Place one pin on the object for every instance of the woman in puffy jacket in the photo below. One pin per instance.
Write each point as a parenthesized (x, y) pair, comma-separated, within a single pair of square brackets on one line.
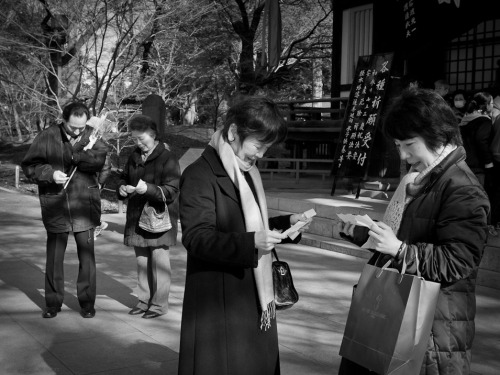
[(439, 214)]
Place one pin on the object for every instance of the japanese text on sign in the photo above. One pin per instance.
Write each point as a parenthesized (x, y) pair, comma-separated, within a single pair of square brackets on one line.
[(410, 19), (362, 115)]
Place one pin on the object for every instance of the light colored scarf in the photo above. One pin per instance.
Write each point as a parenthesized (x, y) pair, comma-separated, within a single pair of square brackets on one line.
[(408, 187), (256, 219)]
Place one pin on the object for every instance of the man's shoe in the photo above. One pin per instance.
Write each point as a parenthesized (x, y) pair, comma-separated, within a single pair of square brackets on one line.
[(50, 312), (88, 312), (136, 311), (151, 314)]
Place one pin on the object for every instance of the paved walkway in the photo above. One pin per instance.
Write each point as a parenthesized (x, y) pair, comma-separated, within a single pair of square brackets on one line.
[(117, 343)]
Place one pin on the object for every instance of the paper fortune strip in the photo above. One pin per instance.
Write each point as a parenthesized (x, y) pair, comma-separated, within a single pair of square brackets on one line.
[(364, 220), (293, 231)]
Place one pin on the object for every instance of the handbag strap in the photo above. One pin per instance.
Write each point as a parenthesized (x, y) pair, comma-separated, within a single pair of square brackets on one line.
[(163, 195), (275, 254)]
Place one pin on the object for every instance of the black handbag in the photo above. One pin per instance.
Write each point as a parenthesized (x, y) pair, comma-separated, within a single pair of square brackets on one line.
[(285, 295)]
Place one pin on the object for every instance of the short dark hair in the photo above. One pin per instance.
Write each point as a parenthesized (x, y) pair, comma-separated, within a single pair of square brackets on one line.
[(142, 123), (77, 109), (256, 116), (423, 113), (479, 102)]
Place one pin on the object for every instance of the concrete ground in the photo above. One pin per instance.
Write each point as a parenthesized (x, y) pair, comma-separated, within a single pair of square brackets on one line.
[(114, 342)]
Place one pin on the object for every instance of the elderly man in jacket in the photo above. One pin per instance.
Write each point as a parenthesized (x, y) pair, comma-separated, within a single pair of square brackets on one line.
[(69, 204)]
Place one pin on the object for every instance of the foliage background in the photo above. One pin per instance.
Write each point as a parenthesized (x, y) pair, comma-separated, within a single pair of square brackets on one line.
[(197, 55)]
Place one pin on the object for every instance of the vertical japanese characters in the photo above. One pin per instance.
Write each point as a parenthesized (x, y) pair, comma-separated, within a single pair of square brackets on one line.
[(363, 111), (410, 19)]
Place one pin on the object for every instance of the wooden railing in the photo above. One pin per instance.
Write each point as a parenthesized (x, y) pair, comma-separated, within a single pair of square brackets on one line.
[(314, 126), (298, 111), (296, 167)]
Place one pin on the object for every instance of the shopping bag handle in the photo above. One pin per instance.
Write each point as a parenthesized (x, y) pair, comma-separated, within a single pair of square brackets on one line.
[(388, 263), (403, 267), (417, 263)]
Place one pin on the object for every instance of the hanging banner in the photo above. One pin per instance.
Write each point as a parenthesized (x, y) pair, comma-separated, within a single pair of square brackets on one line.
[(422, 20), (274, 35), (362, 117)]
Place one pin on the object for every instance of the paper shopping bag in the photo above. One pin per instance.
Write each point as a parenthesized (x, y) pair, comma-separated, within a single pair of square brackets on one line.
[(389, 321)]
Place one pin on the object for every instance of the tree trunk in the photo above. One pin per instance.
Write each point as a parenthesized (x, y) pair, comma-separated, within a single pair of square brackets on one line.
[(16, 124), (8, 127), (317, 89), (191, 115), (317, 86), (247, 75)]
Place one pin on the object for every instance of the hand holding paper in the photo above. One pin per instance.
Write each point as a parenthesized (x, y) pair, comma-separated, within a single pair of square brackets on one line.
[(364, 220), (141, 187), (293, 231)]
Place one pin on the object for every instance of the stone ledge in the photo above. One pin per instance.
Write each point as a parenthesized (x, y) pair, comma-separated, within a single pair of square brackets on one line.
[(330, 244)]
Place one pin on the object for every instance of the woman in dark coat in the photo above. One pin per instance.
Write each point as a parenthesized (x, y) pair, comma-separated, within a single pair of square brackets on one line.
[(438, 213), (228, 317), (476, 129), (151, 175)]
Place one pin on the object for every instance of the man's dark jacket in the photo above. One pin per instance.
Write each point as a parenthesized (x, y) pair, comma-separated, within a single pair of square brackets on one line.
[(78, 207)]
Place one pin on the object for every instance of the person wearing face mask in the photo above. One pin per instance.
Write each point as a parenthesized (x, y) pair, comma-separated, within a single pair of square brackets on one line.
[(458, 104), (476, 129), (439, 214), (228, 314), (68, 205), (151, 174)]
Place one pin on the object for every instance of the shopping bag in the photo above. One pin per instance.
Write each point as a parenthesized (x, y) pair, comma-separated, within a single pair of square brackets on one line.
[(390, 320)]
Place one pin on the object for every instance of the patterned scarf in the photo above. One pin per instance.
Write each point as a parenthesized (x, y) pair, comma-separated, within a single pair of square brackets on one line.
[(256, 219), (407, 189)]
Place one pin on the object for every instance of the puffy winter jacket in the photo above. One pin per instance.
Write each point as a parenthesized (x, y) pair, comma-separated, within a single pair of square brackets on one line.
[(446, 226), (78, 207)]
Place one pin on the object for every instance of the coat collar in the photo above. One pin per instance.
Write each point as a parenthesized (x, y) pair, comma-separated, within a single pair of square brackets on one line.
[(439, 170), (84, 135), (137, 158), (225, 183), (213, 159)]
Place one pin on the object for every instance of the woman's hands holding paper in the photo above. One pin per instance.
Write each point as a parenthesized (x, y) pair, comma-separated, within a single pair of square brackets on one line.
[(124, 190), (295, 218), (265, 240), (141, 187), (383, 238)]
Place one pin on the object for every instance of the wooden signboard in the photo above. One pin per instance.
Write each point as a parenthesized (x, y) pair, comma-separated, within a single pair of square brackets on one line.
[(362, 117)]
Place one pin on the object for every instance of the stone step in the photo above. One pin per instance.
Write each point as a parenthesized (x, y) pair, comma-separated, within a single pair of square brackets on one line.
[(331, 244), (323, 231), (326, 221)]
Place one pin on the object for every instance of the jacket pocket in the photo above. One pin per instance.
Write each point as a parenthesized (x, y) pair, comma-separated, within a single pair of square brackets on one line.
[(54, 211)]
